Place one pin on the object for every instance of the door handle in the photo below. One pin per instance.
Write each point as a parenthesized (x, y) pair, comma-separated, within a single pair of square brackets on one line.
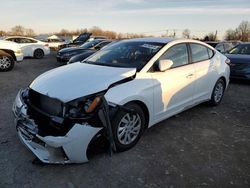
[(190, 75)]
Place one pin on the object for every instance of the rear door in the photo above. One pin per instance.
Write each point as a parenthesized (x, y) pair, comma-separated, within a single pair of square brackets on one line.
[(205, 70), (27, 46)]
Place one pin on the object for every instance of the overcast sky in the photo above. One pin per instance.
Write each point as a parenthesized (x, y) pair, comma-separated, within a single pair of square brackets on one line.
[(138, 16)]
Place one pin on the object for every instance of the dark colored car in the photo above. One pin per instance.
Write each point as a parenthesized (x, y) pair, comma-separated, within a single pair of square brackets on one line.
[(65, 54), (88, 53), (240, 61), (77, 41), (223, 46), (81, 39)]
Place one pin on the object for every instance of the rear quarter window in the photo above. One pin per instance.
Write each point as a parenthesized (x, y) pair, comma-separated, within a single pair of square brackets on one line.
[(200, 52)]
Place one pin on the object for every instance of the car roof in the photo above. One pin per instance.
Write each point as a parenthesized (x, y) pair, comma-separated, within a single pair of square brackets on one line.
[(151, 39), (245, 43)]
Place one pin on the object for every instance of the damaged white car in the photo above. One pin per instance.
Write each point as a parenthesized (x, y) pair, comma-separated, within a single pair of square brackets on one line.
[(117, 93)]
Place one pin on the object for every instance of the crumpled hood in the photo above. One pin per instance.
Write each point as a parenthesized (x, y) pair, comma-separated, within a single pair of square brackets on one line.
[(76, 80)]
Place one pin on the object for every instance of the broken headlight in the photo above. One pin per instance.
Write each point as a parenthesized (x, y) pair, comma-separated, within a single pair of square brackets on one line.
[(84, 105)]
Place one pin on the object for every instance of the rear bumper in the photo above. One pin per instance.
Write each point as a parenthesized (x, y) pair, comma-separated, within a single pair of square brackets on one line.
[(70, 148), (46, 51)]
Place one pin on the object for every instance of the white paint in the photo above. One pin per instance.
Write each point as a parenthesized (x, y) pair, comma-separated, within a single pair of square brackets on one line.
[(28, 49), (78, 79), (7, 45)]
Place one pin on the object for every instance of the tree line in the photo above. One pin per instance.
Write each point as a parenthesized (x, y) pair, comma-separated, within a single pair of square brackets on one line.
[(241, 33)]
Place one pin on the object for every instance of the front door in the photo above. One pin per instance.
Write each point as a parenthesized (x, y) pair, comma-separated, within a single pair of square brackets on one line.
[(174, 88)]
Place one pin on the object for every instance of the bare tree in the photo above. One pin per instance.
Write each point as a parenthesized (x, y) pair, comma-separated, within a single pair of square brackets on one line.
[(211, 37), (232, 35), (2, 33), (186, 34), (244, 30), (64, 32), (18, 30), (29, 32)]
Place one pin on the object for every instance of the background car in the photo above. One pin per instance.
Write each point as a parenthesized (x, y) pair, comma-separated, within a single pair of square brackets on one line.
[(223, 46), (9, 53), (240, 61), (31, 47), (54, 43), (89, 52), (65, 54)]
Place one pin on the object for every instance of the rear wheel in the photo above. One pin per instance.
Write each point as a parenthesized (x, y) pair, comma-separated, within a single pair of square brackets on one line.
[(38, 54), (218, 92), (128, 127), (6, 62)]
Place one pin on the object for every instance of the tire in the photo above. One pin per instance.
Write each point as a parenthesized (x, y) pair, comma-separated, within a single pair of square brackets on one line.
[(122, 131), (6, 62), (218, 92), (38, 54)]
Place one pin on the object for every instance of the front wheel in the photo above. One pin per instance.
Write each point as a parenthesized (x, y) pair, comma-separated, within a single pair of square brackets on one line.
[(218, 92), (6, 63), (128, 127)]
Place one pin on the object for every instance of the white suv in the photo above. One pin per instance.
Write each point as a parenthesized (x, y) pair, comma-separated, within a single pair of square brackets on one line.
[(9, 53)]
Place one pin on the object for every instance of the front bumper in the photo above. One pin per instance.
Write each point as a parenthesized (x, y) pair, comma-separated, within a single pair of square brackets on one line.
[(19, 57), (63, 59), (71, 148)]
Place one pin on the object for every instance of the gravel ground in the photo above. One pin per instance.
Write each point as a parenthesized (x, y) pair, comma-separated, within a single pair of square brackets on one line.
[(202, 147)]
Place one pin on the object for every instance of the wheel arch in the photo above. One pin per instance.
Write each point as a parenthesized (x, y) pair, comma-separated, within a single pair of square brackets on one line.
[(144, 109), (38, 49), (10, 52), (224, 80)]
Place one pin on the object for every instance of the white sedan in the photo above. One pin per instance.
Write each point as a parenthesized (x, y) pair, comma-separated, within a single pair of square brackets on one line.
[(30, 46), (118, 92)]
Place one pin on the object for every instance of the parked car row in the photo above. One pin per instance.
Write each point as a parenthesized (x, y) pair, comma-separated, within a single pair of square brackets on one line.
[(65, 54), (240, 61), (15, 48)]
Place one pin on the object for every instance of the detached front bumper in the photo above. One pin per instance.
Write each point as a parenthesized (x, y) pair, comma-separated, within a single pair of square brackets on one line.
[(70, 148)]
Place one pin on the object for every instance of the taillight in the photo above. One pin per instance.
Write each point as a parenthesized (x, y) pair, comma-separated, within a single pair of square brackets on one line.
[(227, 61)]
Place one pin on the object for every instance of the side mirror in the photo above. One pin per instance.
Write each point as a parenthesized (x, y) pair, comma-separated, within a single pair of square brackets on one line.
[(165, 64), (97, 47)]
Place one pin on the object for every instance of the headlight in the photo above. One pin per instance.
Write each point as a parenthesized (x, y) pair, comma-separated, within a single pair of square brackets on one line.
[(84, 105), (70, 54), (18, 51)]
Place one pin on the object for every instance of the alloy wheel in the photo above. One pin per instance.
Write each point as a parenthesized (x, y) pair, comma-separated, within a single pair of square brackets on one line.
[(129, 128)]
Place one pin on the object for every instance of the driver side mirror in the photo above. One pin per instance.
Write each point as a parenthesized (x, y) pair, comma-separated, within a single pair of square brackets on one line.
[(165, 64)]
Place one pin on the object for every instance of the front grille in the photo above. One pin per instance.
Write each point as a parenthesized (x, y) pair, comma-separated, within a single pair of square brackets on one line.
[(46, 104)]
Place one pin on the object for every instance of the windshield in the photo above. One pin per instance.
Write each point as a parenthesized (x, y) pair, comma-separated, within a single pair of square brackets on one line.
[(241, 49), (90, 44), (129, 54)]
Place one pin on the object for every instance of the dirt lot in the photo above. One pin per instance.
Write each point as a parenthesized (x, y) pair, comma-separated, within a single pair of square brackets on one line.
[(202, 147)]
